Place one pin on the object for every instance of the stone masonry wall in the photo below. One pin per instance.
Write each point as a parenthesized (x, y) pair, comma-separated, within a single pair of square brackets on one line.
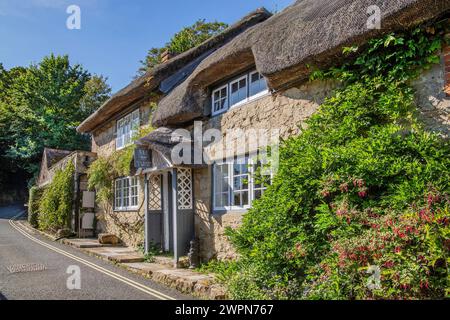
[(287, 111), (128, 226), (431, 97)]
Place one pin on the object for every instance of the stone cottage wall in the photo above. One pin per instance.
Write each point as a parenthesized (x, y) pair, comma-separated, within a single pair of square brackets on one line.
[(431, 97), (128, 226), (287, 111)]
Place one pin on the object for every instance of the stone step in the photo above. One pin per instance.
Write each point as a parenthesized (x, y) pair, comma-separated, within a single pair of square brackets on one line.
[(183, 262), (144, 268), (126, 258), (85, 243)]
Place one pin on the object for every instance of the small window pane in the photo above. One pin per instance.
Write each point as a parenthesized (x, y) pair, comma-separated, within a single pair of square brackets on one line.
[(126, 129), (220, 100), (257, 83), (238, 91), (221, 186)]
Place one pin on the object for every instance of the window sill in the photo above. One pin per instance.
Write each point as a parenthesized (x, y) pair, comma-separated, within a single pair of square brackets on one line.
[(131, 209), (124, 147), (219, 212), (243, 103)]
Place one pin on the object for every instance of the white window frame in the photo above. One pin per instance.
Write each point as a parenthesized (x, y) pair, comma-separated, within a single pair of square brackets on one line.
[(245, 100), (228, 85), (227, 100), (259, 94), (131, 195), (251, 185), (134, 121)]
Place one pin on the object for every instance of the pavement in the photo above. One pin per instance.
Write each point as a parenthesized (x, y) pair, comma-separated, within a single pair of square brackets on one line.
[(35, 268)]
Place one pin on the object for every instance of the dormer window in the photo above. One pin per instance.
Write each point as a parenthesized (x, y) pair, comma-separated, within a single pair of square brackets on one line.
[(238, 91), (220, 100), (127, 127), (258, 84)]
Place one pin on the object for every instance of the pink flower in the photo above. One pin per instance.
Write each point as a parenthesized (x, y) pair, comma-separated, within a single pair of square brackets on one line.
[(325, 194), (344, 187), (362, 194)]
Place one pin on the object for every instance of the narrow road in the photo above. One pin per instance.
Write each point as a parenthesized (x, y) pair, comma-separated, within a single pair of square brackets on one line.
[(34, 268)]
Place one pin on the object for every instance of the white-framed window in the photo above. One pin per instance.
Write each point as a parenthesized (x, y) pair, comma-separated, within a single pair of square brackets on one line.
[(238, 183), (220, 99), (127, 127), (258, 84), (238, 91), (126, 194)]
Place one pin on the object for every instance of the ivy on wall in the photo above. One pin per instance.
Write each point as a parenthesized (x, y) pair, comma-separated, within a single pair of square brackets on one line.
[(55, 205), (35, 195)]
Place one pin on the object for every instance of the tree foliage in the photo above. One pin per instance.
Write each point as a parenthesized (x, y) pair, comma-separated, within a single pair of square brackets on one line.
[(182, 41), (364, 185), (41, 106)]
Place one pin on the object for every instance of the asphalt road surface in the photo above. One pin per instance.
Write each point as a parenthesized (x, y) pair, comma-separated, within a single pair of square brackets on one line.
[(34, 268)]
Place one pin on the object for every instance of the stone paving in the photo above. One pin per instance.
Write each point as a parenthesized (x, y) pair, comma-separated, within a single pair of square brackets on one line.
[(161, 270)]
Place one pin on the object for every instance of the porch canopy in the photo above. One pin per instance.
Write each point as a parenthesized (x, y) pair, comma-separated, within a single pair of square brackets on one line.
[(169, 196), (161, 143)]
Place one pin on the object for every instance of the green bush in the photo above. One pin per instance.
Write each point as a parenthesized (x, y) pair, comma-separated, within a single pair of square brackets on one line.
[(35, 195), (364, 185), (55, 207)]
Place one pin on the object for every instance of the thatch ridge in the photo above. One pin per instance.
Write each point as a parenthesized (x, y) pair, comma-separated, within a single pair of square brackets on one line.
[(144, 85)]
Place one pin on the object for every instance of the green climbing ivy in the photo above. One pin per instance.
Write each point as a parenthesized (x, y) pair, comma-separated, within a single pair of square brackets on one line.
[(55, 206), (104, 170)]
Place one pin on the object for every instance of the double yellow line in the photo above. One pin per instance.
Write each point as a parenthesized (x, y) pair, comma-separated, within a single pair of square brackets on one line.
[(134, 284)]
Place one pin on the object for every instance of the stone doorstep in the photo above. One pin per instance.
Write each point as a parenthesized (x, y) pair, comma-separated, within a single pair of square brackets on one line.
[(85, 243), (183, 262), (116, 254), (183, 280), (131, 258)]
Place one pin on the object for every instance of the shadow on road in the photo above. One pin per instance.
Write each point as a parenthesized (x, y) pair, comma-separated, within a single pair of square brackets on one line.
[(2, 297), (8, 212)]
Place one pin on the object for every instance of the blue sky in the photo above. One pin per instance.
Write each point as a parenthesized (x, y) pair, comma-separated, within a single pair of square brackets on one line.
[(115, 34)]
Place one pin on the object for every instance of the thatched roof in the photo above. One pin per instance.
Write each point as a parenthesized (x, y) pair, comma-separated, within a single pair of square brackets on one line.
[(146, 84), (310, 32)]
